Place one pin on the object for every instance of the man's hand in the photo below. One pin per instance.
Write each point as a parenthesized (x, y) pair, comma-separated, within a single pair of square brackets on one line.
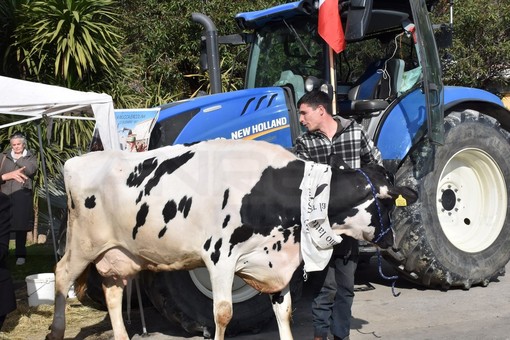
[(16, 175)]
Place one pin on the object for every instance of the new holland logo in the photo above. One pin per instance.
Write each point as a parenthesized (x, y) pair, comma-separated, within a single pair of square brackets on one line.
[(256, 130)]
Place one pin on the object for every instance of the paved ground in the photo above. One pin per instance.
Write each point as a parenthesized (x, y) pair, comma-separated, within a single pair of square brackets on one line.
[(480, 313)]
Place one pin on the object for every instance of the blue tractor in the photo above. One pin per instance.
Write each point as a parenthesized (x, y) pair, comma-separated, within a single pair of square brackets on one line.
[(451, 144)]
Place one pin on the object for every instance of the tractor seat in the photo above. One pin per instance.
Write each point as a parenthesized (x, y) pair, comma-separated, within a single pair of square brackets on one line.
[(375, 89)]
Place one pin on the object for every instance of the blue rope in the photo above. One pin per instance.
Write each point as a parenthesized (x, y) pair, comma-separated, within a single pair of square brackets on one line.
[(381, 234), (394, 278), (374, 193)]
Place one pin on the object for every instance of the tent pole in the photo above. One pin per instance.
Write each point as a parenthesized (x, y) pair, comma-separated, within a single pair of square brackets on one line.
[(48, 200)]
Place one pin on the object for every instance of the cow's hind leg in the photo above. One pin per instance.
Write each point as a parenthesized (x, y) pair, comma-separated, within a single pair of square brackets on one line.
[(113, 289), (67, 271), (282, 307)]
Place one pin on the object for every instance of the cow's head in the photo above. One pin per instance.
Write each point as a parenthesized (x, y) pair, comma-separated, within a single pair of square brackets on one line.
[(361, 203)]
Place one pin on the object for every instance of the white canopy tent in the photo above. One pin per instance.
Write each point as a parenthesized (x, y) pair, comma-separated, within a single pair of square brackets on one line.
[(34, 101)]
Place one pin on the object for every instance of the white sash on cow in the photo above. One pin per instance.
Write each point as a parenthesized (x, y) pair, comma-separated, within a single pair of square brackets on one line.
[(317, 237)]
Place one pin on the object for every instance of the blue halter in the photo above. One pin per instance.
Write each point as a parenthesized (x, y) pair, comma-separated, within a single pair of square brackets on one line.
[(381, 234)]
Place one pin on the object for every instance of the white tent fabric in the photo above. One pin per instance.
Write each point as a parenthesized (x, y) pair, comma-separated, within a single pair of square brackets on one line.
[(33, 101)]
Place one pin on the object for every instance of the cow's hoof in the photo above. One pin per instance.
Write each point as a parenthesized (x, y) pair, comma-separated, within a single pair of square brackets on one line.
[(53, 336)]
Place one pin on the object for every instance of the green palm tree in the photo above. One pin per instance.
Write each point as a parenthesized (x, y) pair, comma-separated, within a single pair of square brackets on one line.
[(72, 43), (8, 60), (76, 39)]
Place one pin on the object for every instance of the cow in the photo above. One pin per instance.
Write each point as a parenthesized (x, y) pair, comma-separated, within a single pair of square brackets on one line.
[(230, 206)]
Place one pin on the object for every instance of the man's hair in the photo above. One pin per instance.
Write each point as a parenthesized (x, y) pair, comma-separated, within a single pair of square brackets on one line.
[(316, 98)]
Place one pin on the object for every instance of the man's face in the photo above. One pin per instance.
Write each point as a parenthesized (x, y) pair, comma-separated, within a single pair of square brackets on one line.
[(311, 118), (17, 145)]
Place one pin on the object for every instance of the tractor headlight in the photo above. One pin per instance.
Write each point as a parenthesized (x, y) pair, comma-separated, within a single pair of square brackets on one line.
[(312, 83)]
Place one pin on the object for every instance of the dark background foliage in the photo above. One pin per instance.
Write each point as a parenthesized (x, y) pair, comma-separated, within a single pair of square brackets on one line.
[(148, 50)]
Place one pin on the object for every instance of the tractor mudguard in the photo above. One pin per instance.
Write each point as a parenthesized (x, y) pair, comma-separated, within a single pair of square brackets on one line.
[(404, 124)]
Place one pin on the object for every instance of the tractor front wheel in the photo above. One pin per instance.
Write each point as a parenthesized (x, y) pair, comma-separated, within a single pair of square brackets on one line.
[(458, 233)]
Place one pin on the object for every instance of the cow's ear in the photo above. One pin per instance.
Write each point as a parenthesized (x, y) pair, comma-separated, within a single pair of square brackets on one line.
[(403, 196)]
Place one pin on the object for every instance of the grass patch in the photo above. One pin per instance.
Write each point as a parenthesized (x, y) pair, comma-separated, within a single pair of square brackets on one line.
[(40, 259)]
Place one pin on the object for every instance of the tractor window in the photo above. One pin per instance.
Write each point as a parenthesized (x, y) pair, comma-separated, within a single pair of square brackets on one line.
[(359, 57), (285, 52)]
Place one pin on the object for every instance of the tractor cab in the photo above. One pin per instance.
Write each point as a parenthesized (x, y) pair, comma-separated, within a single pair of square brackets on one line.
[(381, 61)]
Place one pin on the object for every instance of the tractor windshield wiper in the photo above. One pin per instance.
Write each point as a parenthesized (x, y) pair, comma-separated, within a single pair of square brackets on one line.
[(293, 31)]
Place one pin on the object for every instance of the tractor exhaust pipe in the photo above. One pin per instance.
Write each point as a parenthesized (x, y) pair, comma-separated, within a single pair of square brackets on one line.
[(211, 51)]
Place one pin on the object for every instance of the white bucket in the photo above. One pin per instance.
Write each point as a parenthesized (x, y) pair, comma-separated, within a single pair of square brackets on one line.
[(71, 294), (40, 289)]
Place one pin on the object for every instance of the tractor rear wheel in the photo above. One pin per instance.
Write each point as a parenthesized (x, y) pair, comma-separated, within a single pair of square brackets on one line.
[(458, 233), (186, 297)]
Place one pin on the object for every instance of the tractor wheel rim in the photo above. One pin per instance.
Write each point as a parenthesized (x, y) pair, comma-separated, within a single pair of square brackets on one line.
[(240, 290), (471, 200)]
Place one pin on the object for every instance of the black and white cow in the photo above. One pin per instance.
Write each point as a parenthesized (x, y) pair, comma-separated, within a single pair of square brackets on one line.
[(231, 206)]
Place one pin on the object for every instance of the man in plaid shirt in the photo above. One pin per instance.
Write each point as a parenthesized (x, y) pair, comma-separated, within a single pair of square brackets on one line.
[(331, 140)]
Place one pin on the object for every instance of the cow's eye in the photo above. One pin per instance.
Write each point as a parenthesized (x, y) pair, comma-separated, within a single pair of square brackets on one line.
[(390, 177)]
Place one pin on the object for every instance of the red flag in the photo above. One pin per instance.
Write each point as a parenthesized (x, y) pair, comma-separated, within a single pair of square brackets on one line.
[(330, 26)]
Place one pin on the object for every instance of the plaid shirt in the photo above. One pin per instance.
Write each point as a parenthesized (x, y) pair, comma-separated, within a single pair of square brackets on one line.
[(350, 143)]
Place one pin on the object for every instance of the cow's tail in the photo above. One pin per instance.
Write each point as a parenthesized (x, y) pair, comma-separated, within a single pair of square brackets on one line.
[(80, 284)]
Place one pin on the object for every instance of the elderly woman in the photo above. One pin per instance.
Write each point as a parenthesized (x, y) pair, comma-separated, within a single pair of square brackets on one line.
[(19, 192)]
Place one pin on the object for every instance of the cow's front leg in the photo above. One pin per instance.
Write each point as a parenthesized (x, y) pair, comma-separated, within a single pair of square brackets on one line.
[(222, 298), (113, 289), (282, 307), (67, 271)]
